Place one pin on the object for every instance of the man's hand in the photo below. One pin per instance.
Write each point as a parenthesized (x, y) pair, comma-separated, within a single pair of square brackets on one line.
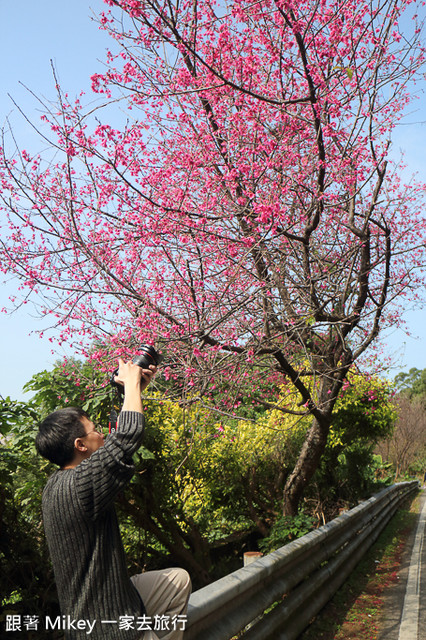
[(135, 380), (147, 375), (130, 373)]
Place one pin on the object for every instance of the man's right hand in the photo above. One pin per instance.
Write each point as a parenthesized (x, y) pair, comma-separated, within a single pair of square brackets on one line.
[(135, 380), (128, 373)]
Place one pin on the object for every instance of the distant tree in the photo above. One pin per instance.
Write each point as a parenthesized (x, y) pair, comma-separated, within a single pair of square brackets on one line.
[(245, 213), (406, 449), (413, 383)]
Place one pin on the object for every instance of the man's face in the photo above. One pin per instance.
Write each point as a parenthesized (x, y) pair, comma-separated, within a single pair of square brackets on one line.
[(93, 438)]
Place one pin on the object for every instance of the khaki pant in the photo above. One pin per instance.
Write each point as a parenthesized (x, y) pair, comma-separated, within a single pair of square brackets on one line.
[(165, 595)]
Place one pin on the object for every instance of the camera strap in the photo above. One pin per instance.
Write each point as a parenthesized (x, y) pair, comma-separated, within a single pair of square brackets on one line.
[(112, 420)]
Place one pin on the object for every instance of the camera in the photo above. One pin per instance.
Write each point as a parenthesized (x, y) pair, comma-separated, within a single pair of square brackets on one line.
[(147, 357)]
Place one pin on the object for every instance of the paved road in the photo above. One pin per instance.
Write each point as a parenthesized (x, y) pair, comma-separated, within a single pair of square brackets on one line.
[(405, 605), (411, 620)]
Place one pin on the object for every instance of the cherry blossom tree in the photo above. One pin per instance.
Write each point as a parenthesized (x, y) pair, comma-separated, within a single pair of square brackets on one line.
[(243, 213)]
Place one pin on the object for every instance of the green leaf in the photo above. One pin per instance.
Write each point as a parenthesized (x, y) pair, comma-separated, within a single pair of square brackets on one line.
[(145, 454)]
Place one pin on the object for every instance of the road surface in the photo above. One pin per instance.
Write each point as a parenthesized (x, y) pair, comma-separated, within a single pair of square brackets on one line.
[(405, 604)]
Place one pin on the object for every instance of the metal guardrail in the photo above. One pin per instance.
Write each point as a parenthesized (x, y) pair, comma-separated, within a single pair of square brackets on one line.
[(275, 597)]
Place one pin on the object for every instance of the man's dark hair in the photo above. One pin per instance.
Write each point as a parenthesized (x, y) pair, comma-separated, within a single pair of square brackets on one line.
[(56, 435)]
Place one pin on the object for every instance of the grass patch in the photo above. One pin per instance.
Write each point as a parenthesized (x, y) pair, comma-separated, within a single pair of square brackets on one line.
[(356, 611)]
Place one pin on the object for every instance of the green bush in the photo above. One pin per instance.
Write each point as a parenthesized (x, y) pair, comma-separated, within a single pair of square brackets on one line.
[(286, 529)]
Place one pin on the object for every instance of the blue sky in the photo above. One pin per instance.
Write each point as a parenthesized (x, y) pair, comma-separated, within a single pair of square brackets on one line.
[(32, 34)]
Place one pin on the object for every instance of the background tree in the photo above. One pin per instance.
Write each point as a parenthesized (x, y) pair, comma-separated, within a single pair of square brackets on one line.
[(406, 449), (412, 384), (244, 213)]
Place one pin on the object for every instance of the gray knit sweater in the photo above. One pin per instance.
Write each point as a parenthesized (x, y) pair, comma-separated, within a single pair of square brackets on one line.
[(84, 539)]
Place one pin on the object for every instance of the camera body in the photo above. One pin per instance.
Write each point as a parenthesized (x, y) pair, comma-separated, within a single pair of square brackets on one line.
[(147, 357)]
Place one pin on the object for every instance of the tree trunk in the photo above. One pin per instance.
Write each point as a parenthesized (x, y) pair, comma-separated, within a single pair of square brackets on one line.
[(306, 465)]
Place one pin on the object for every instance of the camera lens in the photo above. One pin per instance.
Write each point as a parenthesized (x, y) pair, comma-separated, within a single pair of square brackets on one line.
[(147, 357), (144, 360)]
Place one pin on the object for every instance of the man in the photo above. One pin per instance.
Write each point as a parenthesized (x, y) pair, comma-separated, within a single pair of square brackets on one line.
[(96, 595)]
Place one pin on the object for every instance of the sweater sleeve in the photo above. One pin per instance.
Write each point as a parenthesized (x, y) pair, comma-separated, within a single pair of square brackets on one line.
[(101, 477)]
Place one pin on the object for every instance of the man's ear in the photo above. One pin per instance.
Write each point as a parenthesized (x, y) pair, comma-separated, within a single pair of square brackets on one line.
[(79, 445)]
